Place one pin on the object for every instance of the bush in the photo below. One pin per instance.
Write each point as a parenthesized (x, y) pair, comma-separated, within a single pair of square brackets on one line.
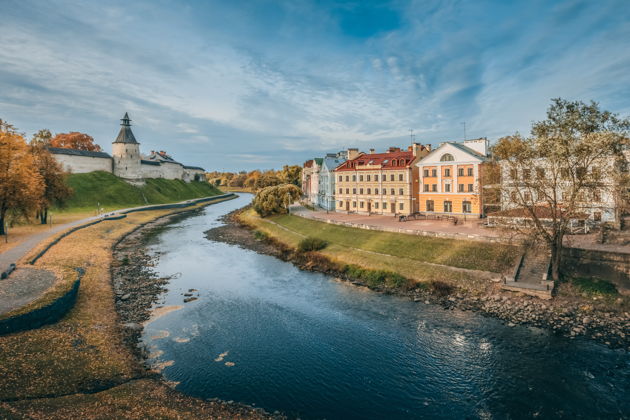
[(441, 288), (594, 286), (311, 244), (377, 278), (260, 235)]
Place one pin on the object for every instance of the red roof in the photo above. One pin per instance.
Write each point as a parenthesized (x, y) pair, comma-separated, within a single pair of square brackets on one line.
[(389, 160), (308, 163)]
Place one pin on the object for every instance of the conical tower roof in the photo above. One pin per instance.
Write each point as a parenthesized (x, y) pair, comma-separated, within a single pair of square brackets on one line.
[(125, 135)]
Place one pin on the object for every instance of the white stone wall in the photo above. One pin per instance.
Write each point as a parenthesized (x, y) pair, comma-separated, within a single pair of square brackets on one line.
[(189, 174), (83, 164), (172, 170), (151, 171)]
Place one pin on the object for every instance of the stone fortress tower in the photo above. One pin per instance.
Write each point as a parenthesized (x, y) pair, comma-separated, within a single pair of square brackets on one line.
[(126, 154)]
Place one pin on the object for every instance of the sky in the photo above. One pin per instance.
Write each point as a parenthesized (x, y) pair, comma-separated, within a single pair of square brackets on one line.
[(241, 85)]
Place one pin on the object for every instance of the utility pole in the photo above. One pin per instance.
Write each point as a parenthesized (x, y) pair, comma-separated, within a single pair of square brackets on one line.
[(411, 136)]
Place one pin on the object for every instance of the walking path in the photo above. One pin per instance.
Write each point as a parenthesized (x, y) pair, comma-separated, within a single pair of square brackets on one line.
[(25, 285)]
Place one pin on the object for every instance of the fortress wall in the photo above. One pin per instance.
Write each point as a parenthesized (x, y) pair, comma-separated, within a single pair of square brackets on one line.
[(151, 171), (189, 174), (83, 164), (172, 170)]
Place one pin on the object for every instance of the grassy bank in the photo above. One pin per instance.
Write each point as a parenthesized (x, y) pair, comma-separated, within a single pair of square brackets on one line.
[(80, 367), (112, 192), (414, 257)]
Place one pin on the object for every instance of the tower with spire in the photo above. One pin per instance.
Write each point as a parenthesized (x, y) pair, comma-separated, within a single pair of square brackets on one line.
[(126, 153)]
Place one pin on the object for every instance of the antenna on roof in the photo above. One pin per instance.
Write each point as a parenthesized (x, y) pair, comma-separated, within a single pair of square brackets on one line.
[(464, 123), (411, 135)]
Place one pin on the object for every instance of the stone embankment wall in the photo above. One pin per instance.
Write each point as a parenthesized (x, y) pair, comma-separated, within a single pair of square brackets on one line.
[(611, 266), (84, 164)]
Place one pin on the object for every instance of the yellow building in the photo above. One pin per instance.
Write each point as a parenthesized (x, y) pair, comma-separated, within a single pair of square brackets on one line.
[(378, 183), (450, 178)]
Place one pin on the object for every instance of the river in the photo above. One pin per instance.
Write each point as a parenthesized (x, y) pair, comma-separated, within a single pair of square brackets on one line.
[(264, 333)]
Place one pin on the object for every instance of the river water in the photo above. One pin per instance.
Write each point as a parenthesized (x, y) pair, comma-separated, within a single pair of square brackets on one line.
[(265, 333)]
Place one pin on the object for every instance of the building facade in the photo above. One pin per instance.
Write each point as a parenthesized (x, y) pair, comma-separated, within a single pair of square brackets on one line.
[(378, 183), (450, 179), (126, 161), (310, 180), (326, 190)]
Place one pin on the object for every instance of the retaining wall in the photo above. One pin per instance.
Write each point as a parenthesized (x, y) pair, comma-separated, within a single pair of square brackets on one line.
[(611, 266)]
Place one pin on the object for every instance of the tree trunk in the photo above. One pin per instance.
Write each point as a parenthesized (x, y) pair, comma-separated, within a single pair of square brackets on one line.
[(2, 231), (556, 258), (43, 215)]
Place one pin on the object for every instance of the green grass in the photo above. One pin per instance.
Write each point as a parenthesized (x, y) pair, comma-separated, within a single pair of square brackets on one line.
[(114, 193), (456, 253), (594, 286)]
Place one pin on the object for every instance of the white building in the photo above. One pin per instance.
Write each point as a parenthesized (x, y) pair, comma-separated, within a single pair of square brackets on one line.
[(326, 189), (126, 161)]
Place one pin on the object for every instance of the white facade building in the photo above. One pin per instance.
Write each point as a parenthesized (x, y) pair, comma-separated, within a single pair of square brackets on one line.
[(326, 189)]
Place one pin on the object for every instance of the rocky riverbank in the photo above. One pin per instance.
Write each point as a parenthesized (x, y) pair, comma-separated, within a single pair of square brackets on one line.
[(570, 316), (138, 289)]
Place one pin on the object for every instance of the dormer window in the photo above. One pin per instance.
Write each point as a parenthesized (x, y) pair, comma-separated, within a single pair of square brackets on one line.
[(447, 157), (394, 162)]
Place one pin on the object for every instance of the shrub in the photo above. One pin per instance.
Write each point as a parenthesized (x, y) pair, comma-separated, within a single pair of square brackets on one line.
[(594, 286), (260, 235), (377, 278), (311, 244), (441, 288)]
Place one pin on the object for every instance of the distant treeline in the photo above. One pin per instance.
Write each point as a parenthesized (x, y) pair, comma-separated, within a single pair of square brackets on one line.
[(257, 179)]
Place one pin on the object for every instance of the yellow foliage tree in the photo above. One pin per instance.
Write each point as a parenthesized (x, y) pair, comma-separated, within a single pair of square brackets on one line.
[(21, 185)]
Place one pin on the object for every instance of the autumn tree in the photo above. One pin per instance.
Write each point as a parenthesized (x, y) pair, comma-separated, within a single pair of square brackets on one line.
[(42, 138), (275, 199), (570, 159), (55, 192), (291, 174), (75, 140), (21, 185)]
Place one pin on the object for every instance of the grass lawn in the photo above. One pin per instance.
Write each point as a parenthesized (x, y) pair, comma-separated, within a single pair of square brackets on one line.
[(113, 193), (450, 252)]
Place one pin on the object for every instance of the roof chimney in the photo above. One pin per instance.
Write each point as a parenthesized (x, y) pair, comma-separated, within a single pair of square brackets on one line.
[(394, 149), (353, 153), (372, 151)]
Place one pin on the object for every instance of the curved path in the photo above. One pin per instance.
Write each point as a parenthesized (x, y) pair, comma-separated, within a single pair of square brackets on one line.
[(26, 284)]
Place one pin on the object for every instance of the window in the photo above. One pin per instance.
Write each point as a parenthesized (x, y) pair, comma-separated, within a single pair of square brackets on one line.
[(597, 216), (354, 178), (401, 191), (448, 207), (375, 191), (375, 177), (426, 187), (434, 187), (347, 190), (540, 173), (340, 190), (354, 191), (360, 177), (426, 172), (513, 174), (447, 187), (361, 204), (597, 196), (470, 187), (401, 206), (391, 177), (361, 191), (369, 191), (347, 178), (384, 205), (513, 196), (564, 173), (340, 178), (580, 172), (447, 172), (447, 157), (354, 204), (400, 177), (433, 172), (527, 196), (394, 162), (376, 204), (596, 173), (460, 188), (392, 191), (384, 191), (341, 204), (368, 177), (466, 207), (430, 205), (470, 171), (527, 174)]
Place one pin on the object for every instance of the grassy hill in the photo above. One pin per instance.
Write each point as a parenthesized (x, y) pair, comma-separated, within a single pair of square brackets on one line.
[(114, 193)]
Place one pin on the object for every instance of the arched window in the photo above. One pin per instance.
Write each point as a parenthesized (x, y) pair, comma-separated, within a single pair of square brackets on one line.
[(447, 157)]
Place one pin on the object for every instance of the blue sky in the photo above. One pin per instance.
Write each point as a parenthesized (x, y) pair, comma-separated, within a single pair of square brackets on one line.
[(257, 84)]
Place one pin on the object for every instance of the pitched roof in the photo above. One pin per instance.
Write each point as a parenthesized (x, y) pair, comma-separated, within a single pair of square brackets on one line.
[(194, 167), (149, 162), (125, 135), (76, 152), (384, 160), (467, 150), (319, 161)]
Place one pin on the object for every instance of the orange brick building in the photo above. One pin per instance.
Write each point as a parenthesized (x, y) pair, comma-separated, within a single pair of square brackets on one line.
[(450, 178)]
